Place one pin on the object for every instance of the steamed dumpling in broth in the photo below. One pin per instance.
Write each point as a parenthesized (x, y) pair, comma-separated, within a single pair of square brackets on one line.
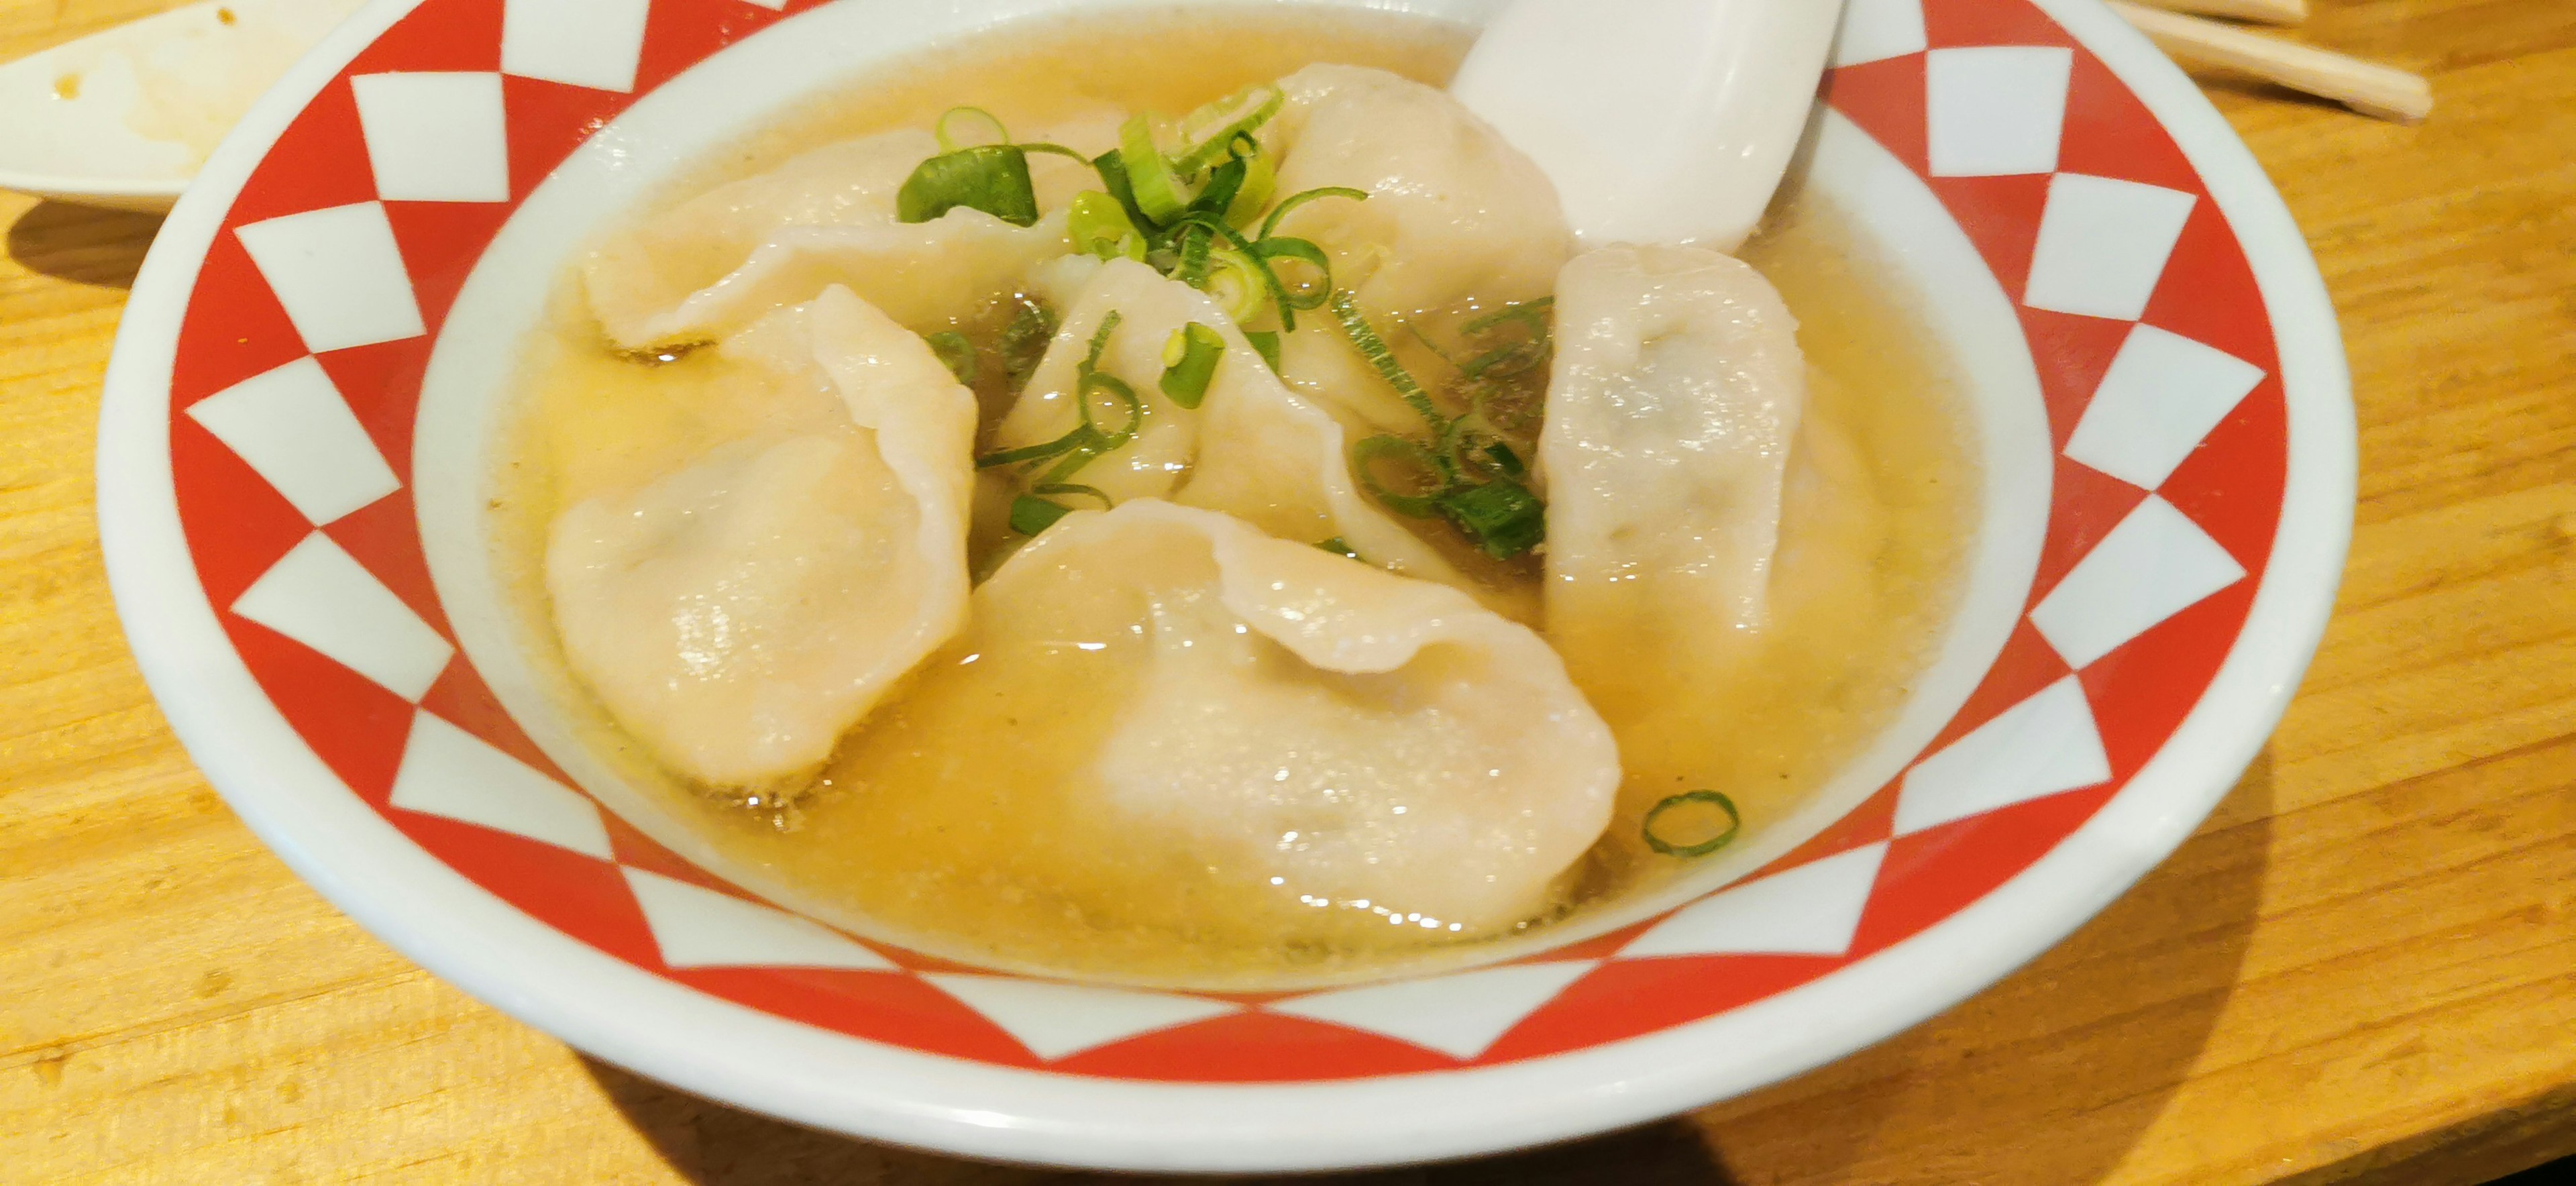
[(738, 615), (1456, 220), (1453, 212), (1251, 448), (1674, 401), (1611, 552), (713, 264), (1262, 728)]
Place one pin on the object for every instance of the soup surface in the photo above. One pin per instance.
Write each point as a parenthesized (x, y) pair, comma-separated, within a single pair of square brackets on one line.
[(942, 821)]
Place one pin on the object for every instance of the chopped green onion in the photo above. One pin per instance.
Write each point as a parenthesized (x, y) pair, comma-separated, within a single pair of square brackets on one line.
[(1053, 150), (1218, 196), (1061, 489), (1098, 225), (1031, 515), (956, 353), (968, 127), (1265, 342), (1024, 341), (1116, 389), (993, 179), (1195, 242), (1373, 348), (1270, 225), (1158, 190), (1525, 355), (1253, 257), (1235, 280), (1260, 184), (1211, 130), (1310, 296), (1428, 476), (1113, 177), (1734, 824), (1507, 462), (1189, 363), (1502, 517), (1100, 340), (1532, 314), (1039, 452), (1339, 547)]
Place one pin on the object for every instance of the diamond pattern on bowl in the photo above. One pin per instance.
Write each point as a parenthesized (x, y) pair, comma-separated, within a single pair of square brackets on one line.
[(585, 43), (697, 927), (2039, 747), (1993, 111), (339, 275), (1811, 909), (1055, 1020), (435, 136), (450, 773), (2155, 358), (1459, 1015), (291, 425), (319, 596)]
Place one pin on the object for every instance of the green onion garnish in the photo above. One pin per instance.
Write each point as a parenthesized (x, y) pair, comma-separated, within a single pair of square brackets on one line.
[(993, 178), (1189, 363), (1098, 224), (1062, 489), (968, 127), (1501, 516), (1031, 515), (1339, 547), (1158, 189), (1429, 481), (1024, 341), (1260, 184), (1085, 441), (1270, 225), (1374, 349), (1279, 247), (1265, 342), (1734, 824), (1211, 130), (956, 353)]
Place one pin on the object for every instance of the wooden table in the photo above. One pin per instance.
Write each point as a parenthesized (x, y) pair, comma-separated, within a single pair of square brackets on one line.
[(2362, 969)]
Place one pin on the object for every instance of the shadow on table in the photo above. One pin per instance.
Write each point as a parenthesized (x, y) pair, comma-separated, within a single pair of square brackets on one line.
[(2049, 1077), (714, 1145), (81, 244)]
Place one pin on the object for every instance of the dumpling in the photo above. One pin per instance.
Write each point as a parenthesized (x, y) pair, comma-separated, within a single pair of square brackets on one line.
[(1334, 733), (1674, 400), (738, 615), (1456, 221), (1252, 449), (713, 264), (1454, 214)]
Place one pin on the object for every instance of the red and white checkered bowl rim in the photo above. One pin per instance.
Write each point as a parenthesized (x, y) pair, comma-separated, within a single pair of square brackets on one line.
[(348, 758)]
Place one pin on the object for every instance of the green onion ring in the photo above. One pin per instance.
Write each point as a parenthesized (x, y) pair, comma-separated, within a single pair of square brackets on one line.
[(1300, 198), (1383, 447), (1735, 824)]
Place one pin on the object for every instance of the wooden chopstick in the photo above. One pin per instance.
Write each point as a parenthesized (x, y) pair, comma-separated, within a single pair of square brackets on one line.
[(2366, 87), (2270, 12)]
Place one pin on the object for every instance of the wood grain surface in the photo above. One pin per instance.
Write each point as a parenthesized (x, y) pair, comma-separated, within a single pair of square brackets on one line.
[(2362, 969)]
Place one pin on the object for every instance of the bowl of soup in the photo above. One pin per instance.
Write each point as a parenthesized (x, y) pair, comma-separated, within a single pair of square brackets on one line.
[(1110, 585)]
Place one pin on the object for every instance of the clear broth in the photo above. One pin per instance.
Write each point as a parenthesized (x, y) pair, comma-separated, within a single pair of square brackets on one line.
[(936, 826)]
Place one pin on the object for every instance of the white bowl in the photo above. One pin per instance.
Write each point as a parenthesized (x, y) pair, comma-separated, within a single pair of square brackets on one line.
[(297, 428)]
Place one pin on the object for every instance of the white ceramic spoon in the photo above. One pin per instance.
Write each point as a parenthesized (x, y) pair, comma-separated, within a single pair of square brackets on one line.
[(1660, 121), (123, 117)]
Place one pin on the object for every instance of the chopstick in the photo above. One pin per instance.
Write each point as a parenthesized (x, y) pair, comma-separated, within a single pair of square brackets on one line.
[(2366, 87), (2270, 12)]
